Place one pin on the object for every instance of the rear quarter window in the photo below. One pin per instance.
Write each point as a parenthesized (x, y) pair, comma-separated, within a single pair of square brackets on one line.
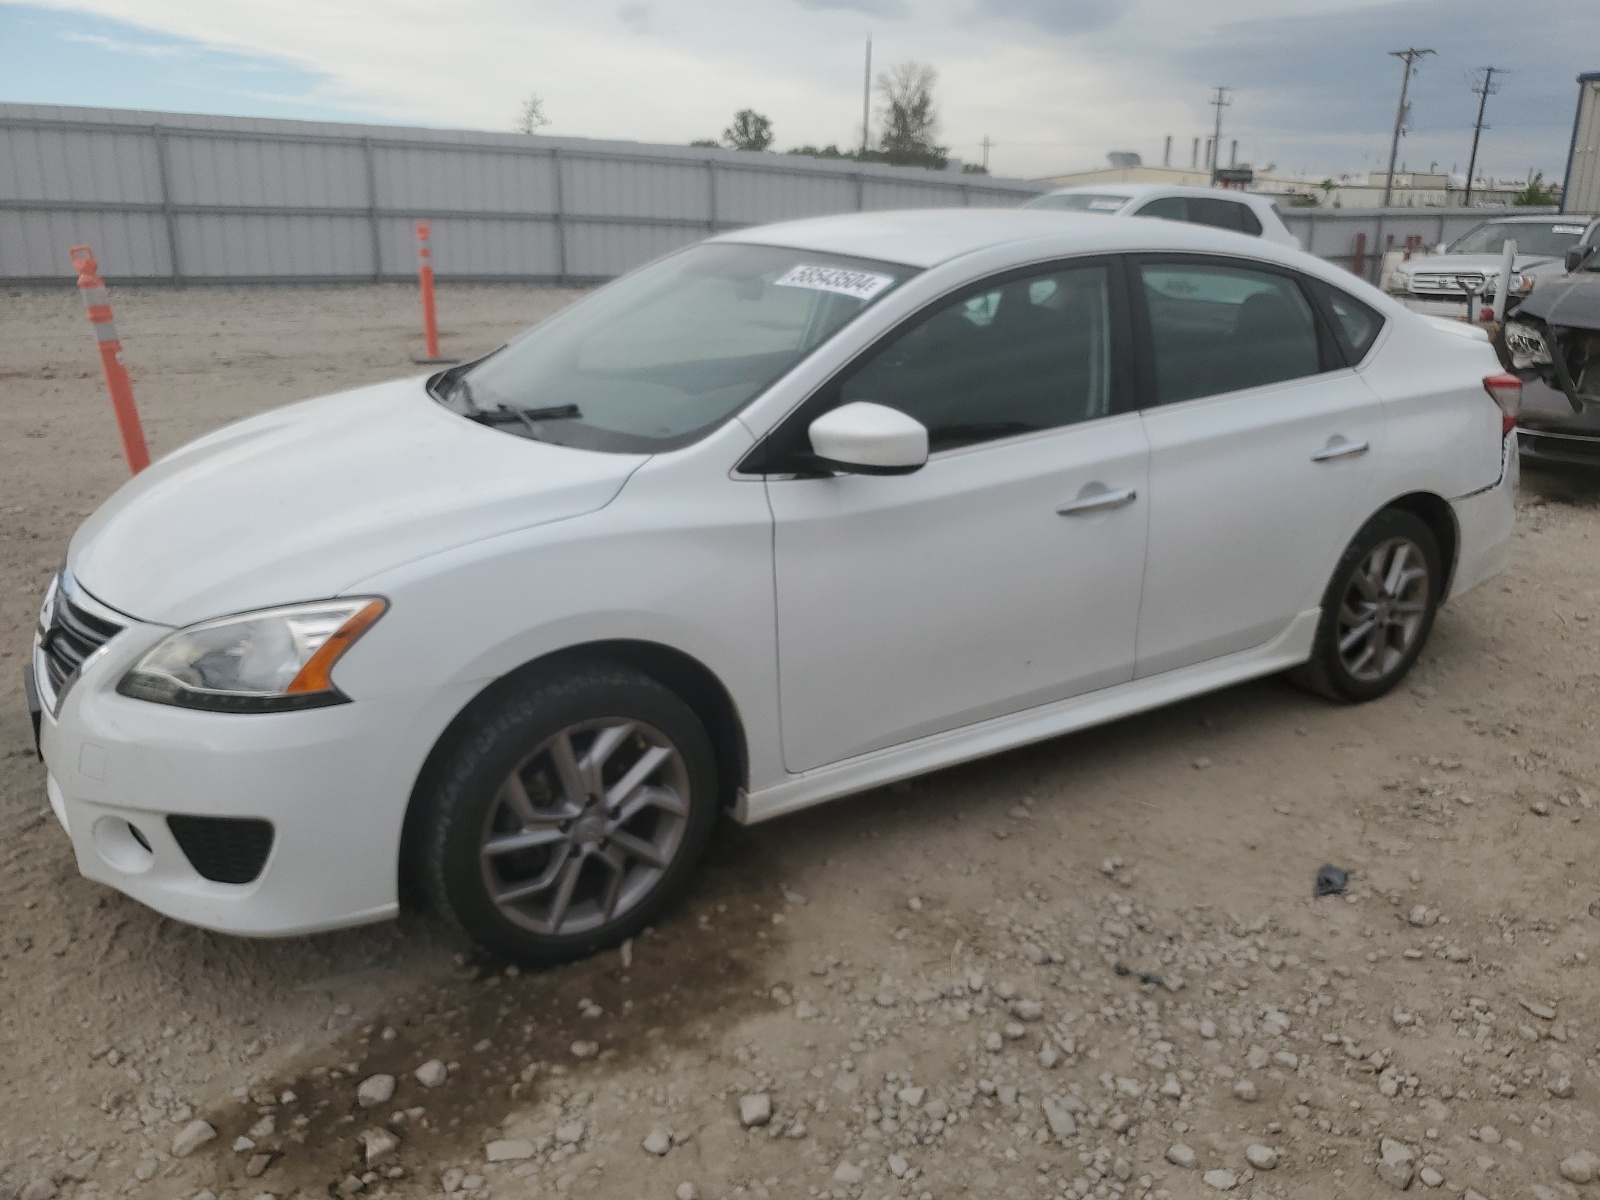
[(1356, 325)]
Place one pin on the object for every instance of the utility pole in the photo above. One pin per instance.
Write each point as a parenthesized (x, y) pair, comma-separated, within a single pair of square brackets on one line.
[(1409, 57), (1484, 90), (986, 144), (866, 101), (1219, 101)]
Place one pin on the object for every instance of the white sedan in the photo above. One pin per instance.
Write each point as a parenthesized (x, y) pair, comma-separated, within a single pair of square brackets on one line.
[(1221, 208), (784, 516)]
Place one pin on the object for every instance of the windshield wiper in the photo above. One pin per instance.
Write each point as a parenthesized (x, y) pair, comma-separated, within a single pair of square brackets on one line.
[(504, 412)]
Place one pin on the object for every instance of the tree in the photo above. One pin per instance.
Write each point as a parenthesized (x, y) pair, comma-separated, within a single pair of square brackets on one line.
[(532, 119), (1537, 194), (831, 150), (707, 143), (749, 131), (910, 119), (974, 169)]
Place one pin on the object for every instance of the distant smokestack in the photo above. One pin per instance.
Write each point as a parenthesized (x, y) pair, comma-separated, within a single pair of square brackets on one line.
[(1211, 153), (1194, 155), (1166, 155), (1233, 154)]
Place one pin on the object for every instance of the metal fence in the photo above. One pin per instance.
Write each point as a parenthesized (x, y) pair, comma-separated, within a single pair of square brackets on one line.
[(209, 199), (235, 199), (1356, 239)]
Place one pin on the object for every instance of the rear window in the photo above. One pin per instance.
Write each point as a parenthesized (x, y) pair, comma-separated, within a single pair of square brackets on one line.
[(1100, 202), (1355, 325)]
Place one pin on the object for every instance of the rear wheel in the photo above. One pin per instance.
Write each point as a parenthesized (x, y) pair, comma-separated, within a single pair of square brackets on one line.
[(1377, 611), (574, 812)]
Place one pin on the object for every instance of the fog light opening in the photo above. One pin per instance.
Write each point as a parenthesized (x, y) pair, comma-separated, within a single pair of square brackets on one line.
[(123, 846)]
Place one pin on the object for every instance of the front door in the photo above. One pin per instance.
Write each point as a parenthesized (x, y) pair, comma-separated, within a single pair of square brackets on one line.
[(1261, 451), (1003, 574)]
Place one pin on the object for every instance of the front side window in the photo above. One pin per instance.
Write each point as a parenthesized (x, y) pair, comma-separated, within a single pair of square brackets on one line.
[(1216, 329), (1168, 208), (662, 356), (1029, 354)]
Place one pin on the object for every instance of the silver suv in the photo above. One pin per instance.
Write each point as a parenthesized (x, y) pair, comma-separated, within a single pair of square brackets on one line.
[(1471, 263)]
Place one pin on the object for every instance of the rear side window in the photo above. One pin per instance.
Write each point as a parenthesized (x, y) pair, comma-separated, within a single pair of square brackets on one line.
[(1204, 210), (1216, 329), (1355, 325)]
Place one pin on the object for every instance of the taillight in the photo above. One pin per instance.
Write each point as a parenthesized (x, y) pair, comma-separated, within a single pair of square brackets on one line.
[(1505, 391)]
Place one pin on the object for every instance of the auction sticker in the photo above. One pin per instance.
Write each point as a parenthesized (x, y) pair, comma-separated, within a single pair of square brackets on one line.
[(1566, 229), (863, 285)]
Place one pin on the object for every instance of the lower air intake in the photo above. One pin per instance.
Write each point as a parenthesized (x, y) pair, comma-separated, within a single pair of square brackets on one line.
[(224, 849)]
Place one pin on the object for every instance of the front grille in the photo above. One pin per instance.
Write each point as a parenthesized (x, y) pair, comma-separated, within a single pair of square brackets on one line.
[(72, 636), (1452, 284), (224, 849)]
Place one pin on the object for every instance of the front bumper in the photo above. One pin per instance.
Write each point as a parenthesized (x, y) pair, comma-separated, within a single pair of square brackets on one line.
[(1549, 431), (333, 782)]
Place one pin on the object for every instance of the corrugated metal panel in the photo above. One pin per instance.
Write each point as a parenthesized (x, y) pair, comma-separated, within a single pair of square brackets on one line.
[(478, 248), (1582, 193), (254, 247), (615, 188), (598, 251), (884, 194), (750, 197), (34, 244)]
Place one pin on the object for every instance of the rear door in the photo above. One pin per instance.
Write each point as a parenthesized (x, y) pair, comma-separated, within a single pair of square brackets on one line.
[(1261, 450)]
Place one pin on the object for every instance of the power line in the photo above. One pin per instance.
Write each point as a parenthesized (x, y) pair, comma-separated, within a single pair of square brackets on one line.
[(1484, 90), (1410, 57), (866, 100)]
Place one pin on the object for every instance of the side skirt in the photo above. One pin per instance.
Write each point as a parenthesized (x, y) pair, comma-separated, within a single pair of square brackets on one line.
[(1288, 649)]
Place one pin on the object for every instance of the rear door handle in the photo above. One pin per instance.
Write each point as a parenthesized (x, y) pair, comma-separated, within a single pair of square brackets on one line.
[(1339, 447), (1097, 498)]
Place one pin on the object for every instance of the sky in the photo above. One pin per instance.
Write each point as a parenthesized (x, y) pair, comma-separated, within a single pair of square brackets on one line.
[(1054, 84)]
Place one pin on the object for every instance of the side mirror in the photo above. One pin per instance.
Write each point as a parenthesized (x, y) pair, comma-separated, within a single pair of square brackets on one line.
[(1574, 257), (1441, 247), (864, 438)]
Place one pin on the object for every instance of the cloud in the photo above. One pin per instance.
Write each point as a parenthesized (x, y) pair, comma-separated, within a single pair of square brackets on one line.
[(118, 46), (1057, 16), (892, 10)]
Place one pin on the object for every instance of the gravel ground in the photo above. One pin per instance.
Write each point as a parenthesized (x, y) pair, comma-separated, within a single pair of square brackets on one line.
[(1091, 967)]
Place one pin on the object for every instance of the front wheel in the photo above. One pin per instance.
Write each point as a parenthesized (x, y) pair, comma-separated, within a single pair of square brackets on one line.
[(1377, 611), (575, 810)]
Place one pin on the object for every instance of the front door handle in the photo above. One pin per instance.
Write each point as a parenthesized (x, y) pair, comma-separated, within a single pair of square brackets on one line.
[(1096, 497), (1339, 447)]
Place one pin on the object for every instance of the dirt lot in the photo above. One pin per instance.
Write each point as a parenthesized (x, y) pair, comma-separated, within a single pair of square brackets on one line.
[(1093, 967)]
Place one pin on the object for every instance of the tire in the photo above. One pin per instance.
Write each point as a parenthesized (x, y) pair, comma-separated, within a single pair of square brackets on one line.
[(570, 815), (1368, 667)]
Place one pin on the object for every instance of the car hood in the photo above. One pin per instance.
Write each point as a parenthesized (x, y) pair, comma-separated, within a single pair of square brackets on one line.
[(1572, 300), (305, 501), (1488, 264)]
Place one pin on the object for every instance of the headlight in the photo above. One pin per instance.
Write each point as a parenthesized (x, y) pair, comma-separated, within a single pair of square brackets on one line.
[(1522, 285), (275, 660), (1527, 345)]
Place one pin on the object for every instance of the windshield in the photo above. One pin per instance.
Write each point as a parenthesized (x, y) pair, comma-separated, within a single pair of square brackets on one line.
[(663, 355), (1532, 237), (1100, 202)]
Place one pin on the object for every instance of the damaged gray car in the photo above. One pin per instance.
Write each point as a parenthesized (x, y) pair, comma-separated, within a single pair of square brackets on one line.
[(1552, 343)]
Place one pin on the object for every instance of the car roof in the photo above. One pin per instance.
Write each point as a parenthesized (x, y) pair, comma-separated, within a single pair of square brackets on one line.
[(925, 237), (1136, 191)]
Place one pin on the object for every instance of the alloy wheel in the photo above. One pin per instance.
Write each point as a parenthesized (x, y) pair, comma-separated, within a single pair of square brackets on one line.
[(1383, 609), (585, 826)]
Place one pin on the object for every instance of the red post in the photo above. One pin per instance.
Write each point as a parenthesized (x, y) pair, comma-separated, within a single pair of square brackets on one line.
[(1358, 263), (117, 381), (430, 324)]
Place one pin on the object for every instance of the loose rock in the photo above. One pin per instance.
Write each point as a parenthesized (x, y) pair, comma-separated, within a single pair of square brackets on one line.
[(1262, 1158), (658, 1141), (1181, 1156), (432, 1074), (191, 1137), (1222, 1180), (1396, 1166), (755, 1110), (375, 1090)]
